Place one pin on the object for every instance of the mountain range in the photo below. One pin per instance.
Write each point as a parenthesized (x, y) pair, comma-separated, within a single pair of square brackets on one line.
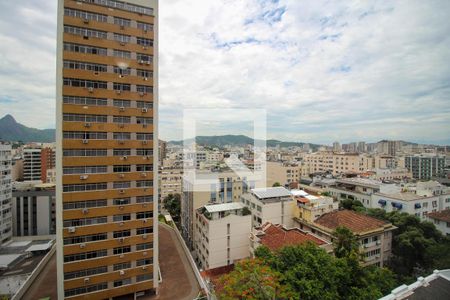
[(12, 131)]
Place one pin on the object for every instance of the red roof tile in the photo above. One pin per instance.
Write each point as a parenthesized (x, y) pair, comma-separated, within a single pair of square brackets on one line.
[(443, 215), (276, 237), (356, 222)]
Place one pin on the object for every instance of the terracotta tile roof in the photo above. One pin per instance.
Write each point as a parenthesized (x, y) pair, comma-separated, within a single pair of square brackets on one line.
[(443, 215), (275, 237), (356, 222)]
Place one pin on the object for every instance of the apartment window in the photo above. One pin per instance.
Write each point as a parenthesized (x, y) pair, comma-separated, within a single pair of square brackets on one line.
[(144, 136), (144, 168), (144, 73), (121, 120), (75, 82), (121, 218), (85, 204), (121, 266), (122, 22), (144, 215), (123, 6), (86, 289), (122, 282), (121, 184), (122, 71), (144, 183), (85, 238), (84, 170), (145, 261), (144, 199), (85, 272), (85, 49), (121, 250), (120, 234), (121, 103), (84, 101), (145, 26), (122, 152), (144, 152), (85, 135), (85, 32), (144, 58), (122, 38), (145, 246), (144, 230), (84, 152), (85, 15), (121, 201), (144, 89), (76, 65), (84, 187), (121, 135), (85, 118), (122, 54), (144, 277), (144, 42), (85, 255), (122, 86), (121, 168), (84, 222)]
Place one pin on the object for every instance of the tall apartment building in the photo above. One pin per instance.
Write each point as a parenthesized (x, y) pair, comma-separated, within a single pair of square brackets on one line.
[(5, 193), (32, 166), (47, 162), (335, 163), (107, 148), (425, 166)]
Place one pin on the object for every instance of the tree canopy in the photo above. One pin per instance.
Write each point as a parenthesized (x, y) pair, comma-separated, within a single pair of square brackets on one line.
[(173, 205)]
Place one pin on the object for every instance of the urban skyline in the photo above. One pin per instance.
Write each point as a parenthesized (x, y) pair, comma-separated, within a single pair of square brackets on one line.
[(349, 72)]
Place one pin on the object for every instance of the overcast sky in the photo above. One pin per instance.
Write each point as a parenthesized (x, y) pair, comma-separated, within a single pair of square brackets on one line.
[(323, 70)]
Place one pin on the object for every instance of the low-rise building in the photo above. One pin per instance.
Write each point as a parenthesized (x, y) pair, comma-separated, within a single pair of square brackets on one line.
[(374, 236), (310, 207), (221, 234), (282, 173), (275, 205), (441, 220)]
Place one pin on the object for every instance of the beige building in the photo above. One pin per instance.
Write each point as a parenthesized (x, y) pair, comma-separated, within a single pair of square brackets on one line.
[(221, 234), (107, 149), (283, 173), (310, 207), (336, 163), (170, 182), (374, 236)]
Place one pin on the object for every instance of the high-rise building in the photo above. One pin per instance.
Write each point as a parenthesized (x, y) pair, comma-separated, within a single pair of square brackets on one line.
[(425, 166), (5, 193), (32, 164), (47, 162), (106, 154)]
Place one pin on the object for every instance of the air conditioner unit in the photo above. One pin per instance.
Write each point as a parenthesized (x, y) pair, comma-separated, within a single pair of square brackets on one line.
[(85, 141), (148, 62), (145, 78), (145, 30), (121, 191), (122, 27), (121, 175), (144, 236), (144, 253), (124, 157), (121, 256), (122, 108), (118, 92), (144, 142), (85, 211), (141, 62), (144, 174), (121, 125), (144, 47), (83, 177), (85, 20), (141, 94), (121, 142), (121, 240), (90, 89), (122, 272), (144, 125), (83, 245), (144, 267), (144, 109), (378, 242), (71, 229), (121, 207), (144, 205), (147, 157), (86, 280), (87, 124), (145, 220), (121, 224)]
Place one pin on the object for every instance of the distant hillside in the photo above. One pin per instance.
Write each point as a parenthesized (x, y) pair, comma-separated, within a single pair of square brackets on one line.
[(12, 131), (237, 140)]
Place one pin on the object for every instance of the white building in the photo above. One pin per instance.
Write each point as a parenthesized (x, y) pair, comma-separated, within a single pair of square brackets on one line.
[(275, 205), (441, 220), (221, 234), (33, 210), (32, 164), (5, 193)]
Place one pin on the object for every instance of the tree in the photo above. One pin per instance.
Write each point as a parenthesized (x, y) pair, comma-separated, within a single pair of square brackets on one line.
[(252, 279), (276, 184), (173, 205), (352, 205), (345, 243)]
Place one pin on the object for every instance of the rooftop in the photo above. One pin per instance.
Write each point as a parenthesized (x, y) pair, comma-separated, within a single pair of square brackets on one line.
[(358, 223), (224, 207), (275, 237), (404, 196), (360, 181), (271, 192), (443, 215)]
